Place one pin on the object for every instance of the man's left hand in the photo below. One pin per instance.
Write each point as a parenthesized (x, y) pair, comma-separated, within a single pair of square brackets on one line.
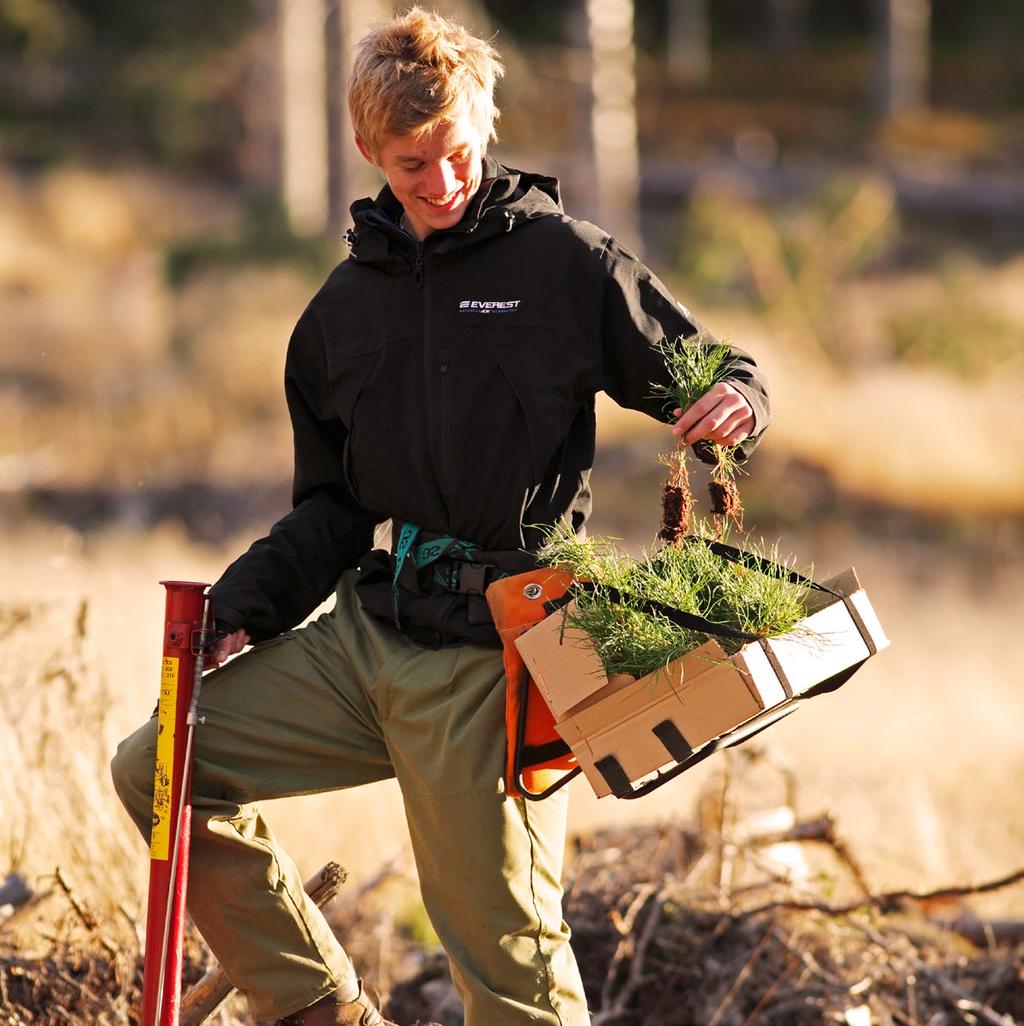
[(720, 415)]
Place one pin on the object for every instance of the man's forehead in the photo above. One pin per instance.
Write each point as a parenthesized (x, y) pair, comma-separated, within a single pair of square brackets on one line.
[(443, 138)]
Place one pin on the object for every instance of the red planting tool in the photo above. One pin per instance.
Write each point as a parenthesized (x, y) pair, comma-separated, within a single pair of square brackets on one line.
[(187, 636)]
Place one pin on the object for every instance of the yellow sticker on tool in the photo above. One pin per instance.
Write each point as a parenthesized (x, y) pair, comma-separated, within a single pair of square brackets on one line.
[(160, 840)]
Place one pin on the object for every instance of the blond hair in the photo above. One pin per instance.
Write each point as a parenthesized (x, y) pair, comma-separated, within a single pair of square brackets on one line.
[(416, 71)]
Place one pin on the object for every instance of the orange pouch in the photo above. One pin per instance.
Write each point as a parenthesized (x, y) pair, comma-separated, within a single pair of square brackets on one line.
[(537, 760)]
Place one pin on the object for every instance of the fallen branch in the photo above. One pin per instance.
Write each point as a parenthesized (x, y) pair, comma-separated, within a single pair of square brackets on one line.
[(888, 899), (210, 992)]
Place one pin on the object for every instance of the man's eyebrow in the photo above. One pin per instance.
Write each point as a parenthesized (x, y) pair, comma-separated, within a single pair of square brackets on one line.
[(416, 158)]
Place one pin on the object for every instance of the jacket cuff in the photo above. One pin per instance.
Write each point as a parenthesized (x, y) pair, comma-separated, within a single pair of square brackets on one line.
[(758, 403), (228, 617)]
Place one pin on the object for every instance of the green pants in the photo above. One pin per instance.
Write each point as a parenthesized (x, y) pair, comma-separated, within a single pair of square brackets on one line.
[(342, 702)]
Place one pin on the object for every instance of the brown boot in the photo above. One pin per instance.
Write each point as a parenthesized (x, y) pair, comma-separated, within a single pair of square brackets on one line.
[(330, 1011)]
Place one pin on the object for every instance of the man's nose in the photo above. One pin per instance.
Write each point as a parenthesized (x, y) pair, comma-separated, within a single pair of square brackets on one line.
[(442, 179)]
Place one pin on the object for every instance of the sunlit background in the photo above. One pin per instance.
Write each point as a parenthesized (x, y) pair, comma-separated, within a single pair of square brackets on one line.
[(836, 187)]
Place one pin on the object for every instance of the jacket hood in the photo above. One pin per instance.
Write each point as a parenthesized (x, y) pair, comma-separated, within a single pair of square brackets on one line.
[(506, 199)]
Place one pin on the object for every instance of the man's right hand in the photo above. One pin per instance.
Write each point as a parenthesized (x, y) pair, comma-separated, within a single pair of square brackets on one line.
[(227, 646)]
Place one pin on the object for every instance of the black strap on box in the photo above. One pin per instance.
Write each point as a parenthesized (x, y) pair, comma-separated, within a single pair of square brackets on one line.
[(618, 780), (672, 738)]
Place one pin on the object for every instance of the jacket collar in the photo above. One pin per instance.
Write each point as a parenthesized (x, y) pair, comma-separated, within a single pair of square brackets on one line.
[(505, 199)]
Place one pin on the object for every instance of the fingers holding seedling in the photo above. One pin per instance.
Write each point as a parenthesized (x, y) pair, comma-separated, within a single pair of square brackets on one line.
[(708, 409), (721, 415)]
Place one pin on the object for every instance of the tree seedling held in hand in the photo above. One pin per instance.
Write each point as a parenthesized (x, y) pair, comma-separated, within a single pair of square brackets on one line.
[(695, 366)]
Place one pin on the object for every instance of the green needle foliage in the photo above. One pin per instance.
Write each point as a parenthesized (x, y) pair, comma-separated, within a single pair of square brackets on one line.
[(690, 577), (694, 365)]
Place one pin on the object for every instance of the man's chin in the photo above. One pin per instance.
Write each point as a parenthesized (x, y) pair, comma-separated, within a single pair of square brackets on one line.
[(438, 220)]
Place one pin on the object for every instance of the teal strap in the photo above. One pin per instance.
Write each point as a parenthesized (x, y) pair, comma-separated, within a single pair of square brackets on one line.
[(433, 550), (406, 536), (430, 551)]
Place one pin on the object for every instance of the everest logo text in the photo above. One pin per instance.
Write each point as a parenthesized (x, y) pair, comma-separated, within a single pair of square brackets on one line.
[(487, 306)]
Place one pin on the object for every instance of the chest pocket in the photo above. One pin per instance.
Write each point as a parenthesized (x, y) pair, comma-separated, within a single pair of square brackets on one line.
[(546, 371), (368, 389)]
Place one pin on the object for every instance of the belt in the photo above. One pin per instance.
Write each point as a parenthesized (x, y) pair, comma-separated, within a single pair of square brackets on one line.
[(455, 567)]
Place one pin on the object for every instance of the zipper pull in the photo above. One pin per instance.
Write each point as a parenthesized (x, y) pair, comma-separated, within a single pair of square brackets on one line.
[(510, 220), (417, 274)]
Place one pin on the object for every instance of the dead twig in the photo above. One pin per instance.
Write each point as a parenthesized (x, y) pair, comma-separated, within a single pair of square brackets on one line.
[(793, 962), (961, 999), (91, 995), (741, 978), (636, 969), (87, 919), (624, 927), (809, 961)]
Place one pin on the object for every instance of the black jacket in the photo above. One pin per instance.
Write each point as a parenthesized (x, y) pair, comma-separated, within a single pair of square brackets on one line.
[(451, 384)]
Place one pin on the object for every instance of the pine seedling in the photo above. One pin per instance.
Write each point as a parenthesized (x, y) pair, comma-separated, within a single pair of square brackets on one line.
[(725, 495), (630, 638), (695, 365), (587, 559), (676, 497)]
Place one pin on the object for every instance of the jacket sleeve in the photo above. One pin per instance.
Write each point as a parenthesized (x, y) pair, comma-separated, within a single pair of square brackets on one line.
[(283, 577), (636, 312)]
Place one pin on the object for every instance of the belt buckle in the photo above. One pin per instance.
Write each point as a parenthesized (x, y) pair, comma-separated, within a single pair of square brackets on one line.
[(473, 578)]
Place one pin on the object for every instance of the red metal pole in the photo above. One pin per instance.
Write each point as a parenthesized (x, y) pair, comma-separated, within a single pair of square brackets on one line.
[(185, 619)]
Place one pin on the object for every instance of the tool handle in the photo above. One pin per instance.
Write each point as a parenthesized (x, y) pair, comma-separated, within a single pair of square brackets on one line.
[(184, 618)]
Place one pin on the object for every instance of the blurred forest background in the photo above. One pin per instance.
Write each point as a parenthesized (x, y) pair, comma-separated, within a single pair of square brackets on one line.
[(175, 181), (836, 187)]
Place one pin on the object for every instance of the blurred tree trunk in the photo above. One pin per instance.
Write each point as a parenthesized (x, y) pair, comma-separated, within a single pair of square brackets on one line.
[(260, 156), (303, 114), (350, 177), (613, 117), (903, 64), (787, 26), (689, 41)]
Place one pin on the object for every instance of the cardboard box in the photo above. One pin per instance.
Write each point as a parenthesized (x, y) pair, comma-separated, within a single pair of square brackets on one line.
[(637, 727)]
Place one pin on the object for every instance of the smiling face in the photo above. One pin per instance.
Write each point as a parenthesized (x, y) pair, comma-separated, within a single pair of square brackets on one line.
[(433, 175)]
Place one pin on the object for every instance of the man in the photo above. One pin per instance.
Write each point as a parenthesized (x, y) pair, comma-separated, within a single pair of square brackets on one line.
[(443, 377)]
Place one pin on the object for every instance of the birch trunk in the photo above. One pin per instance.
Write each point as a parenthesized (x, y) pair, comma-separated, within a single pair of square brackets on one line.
[(904, 66), (613, 117), (303, 114), (689, 41), (350, 176)]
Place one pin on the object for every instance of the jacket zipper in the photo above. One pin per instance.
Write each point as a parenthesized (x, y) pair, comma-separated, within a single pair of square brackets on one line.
[(433, 365), (444, 420)]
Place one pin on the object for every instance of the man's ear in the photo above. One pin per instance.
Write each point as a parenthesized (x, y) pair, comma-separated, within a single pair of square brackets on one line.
[(365, 151)]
